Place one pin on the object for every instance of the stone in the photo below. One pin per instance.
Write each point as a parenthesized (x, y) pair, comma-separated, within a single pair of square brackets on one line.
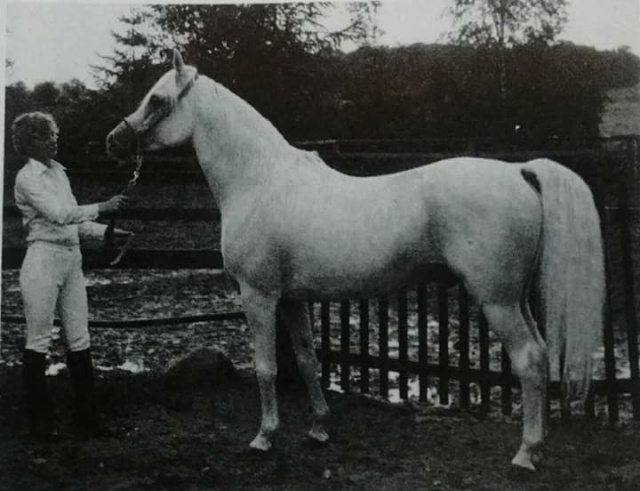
[(201, 368)]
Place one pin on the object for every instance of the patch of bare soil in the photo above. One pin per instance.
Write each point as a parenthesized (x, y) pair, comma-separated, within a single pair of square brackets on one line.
[(195, 436)]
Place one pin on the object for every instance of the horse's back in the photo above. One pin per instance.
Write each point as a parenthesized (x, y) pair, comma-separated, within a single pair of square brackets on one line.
[(316, 230)]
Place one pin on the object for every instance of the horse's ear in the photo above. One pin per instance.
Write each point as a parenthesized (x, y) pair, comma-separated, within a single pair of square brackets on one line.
[(178, 62)]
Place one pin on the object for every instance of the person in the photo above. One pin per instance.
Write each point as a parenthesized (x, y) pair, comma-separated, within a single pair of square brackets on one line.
[(51, 275)]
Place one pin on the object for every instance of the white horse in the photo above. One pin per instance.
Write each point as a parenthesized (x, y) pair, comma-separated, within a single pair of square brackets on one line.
[(294, 229)]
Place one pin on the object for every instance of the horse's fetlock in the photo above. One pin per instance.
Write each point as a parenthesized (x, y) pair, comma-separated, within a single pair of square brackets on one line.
[(321, 414), (533, 444), (268, 428)]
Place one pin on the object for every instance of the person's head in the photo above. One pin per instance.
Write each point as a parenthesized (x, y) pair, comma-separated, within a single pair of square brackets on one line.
[(35, 135)]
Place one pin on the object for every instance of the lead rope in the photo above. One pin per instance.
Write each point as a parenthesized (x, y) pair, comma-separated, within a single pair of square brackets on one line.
[(109, 233)]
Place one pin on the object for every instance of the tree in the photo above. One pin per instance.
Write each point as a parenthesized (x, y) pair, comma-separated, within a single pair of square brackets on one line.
[(45, 95), (73, 112), (280, 57), (501, 24), (507, 23), (17, 101)]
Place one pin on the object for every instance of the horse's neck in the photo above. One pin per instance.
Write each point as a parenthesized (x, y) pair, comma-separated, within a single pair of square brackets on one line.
[(237, 148)]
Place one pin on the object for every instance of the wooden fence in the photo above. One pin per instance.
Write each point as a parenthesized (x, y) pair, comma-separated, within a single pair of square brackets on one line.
[(610, 168)]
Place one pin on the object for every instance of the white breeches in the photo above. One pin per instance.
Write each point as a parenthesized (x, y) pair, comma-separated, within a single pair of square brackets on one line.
[(51, 276)]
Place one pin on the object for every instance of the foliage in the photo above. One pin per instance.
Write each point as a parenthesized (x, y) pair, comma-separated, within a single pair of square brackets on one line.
[(77, 109), (453, 91), (278, 56), (499, 24), (505, 23), (283, 61)]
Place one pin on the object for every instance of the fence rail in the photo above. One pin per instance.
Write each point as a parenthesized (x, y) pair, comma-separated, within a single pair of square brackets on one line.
[(463, 373), (12, 258), (436, 299)]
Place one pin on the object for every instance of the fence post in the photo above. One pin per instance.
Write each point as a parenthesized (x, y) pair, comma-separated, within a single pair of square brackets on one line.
[(345, 339), (631, 317), (443, 343), (383, 326), (507, 405), (423, 340), (364, 346), (609, 354), (485, 385), (403, 344), (463, 300), (325, 323)]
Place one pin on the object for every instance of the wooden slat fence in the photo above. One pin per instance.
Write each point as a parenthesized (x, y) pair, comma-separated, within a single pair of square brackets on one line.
[(473, 375)]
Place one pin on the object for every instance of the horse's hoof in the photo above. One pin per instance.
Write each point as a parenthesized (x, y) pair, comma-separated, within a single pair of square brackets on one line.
[(520, 474), (261, 443), (320, 436), (523, 461)]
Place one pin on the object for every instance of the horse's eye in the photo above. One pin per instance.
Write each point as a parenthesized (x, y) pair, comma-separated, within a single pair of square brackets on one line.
[(155, 101)]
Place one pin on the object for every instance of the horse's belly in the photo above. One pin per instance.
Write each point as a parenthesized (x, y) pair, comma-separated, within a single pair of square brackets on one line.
[(362, 280)]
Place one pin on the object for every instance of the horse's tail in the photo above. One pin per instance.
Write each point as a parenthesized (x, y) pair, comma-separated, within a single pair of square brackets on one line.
[(571, 273)]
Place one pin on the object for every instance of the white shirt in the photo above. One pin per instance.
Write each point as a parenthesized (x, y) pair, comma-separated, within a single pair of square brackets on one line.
[(49, 209)]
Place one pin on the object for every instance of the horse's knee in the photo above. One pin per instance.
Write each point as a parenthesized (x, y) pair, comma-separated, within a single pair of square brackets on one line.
[(266, 373), (530, 362), (308, 362)]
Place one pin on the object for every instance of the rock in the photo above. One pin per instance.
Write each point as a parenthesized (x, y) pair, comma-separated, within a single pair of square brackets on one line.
[(200, 368)]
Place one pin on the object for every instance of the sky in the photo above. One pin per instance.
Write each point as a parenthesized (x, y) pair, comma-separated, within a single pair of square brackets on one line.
[(59, 41)]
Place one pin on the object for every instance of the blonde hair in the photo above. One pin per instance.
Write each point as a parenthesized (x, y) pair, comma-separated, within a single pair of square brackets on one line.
[(29, 126)]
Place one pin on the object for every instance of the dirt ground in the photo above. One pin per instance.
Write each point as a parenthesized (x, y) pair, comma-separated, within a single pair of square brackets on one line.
[(195, 435)]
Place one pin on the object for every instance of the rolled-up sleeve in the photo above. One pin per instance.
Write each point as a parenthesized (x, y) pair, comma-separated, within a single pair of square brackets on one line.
[(48, 204)]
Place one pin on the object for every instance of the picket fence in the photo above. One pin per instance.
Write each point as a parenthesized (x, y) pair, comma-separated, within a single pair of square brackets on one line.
[(360, 347)]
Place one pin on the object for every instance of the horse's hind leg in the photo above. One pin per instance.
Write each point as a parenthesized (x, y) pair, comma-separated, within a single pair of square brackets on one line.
[(261, 316), (528, 354), (296, 318)]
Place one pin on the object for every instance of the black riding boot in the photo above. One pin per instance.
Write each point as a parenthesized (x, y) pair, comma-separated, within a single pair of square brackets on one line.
[(39, 410), (81, 371)]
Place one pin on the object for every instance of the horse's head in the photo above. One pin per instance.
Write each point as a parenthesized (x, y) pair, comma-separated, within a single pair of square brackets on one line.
[(164, 117)]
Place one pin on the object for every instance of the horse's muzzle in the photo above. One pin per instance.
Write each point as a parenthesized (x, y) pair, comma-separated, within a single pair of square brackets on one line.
[(121, 142)]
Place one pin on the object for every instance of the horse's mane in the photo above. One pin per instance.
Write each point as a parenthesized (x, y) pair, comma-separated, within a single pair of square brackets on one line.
[(264, 134), (253, 121)]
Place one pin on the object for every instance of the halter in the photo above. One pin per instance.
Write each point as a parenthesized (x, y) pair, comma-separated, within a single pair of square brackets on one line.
[(156, 117), (149, 123)]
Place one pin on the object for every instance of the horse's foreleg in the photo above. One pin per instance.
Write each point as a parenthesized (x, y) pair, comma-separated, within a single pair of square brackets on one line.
[(261, 315), (528, 354), (296, 318)]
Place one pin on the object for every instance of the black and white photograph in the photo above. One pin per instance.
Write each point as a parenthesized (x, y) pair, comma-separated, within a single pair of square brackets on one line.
[(381, 245)]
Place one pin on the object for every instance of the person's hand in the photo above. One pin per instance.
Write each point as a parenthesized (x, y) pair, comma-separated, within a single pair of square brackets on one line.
[(115, 203)]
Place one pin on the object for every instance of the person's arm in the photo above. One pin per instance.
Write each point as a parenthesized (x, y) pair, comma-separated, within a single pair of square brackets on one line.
[(51, 207), (62, 212)]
